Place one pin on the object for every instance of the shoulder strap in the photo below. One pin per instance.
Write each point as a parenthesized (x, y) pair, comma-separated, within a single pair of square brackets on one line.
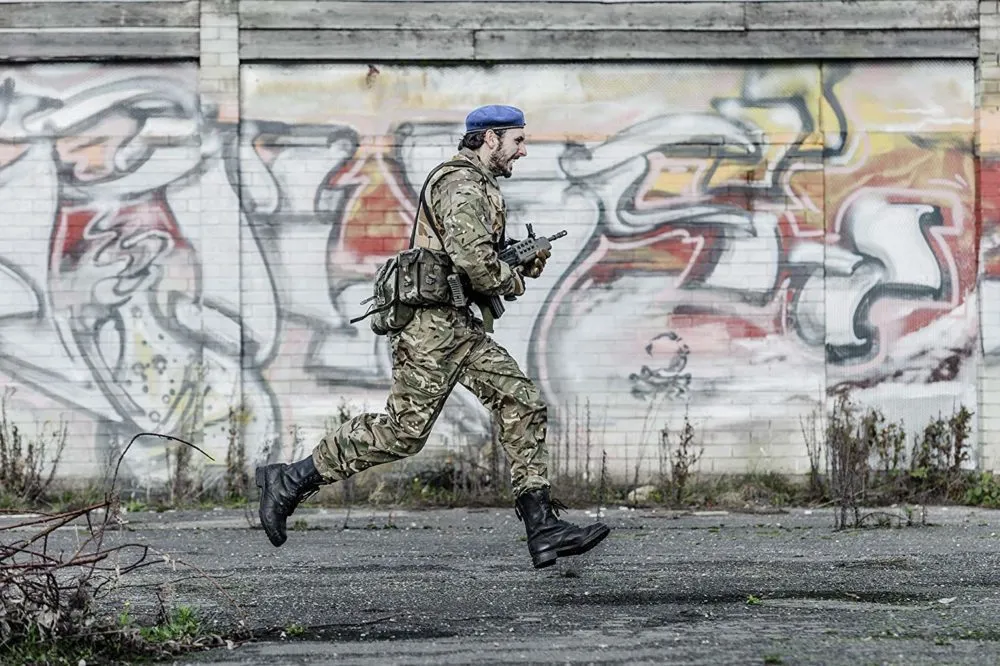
[(422, 203)]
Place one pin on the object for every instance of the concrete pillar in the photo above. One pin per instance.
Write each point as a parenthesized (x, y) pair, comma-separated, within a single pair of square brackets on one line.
[(988, 155)]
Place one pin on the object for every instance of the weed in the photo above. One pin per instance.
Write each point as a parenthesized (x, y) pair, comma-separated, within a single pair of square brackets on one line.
[(587, 432), (22, 462), (868, 464), (937, 460), (48, 609), (682, 459), (237, 478), (182, 624), (814, 449), (181, 486), (983, 490), (767, 488), (848, 461), (602, 488)]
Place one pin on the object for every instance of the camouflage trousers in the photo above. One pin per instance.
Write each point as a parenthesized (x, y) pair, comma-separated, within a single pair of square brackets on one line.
[(439, 348)]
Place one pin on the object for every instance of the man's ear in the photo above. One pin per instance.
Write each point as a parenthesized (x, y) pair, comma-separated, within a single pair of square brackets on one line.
[(492, 140)]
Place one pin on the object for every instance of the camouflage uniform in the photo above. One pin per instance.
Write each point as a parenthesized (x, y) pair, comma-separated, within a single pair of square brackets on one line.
[(444, 345)]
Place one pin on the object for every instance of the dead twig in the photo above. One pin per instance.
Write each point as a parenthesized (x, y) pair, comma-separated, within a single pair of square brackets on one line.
[(47, 595)]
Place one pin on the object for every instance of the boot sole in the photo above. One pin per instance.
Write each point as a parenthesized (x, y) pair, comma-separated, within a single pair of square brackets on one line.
[(549, 557)]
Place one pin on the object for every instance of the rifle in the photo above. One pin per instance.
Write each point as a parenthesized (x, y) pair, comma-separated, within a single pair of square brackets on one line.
[(520, 253)]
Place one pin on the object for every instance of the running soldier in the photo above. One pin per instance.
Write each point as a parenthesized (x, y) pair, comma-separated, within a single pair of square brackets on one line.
[(437, 344)]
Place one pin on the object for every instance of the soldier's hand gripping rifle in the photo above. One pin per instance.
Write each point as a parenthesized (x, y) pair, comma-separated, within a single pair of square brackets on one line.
[(521, 253)]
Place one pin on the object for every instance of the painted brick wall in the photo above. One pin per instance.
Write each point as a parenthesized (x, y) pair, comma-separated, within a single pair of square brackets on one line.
[(738, 251), (745, 241), (988, 139)]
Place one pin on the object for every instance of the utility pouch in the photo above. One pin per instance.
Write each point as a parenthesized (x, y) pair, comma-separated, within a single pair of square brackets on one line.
[(389, 314), (423, 277)]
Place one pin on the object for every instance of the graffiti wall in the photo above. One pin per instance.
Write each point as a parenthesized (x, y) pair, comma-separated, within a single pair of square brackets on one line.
[(743, 243)]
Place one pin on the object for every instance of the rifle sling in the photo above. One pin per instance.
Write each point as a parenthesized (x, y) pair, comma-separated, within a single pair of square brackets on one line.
[(422, 202)]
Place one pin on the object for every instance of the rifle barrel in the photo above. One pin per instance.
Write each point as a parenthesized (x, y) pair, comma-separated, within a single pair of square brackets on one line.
[(558, 235)]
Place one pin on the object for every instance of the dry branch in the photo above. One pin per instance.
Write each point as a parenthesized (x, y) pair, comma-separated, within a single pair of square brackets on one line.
[(47, 596)]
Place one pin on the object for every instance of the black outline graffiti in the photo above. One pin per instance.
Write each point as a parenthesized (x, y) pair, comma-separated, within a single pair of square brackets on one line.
[(670, 381), (863, 328)]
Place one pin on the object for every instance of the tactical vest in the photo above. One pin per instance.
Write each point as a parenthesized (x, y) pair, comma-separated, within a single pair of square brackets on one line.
[(428, 236), (423, 275)]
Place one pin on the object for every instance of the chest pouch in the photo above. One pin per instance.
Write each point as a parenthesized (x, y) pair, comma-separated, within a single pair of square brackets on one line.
[(423, 277)]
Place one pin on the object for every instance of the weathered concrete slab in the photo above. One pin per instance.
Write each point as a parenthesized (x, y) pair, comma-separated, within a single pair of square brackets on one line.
[(456, 586), (41, 46), (134, 14)]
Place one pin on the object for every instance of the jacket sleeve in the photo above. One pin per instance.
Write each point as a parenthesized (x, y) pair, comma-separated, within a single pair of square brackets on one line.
[(461, 207)]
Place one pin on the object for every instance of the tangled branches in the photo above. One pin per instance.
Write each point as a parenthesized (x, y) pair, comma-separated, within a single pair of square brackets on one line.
[(48, 595)]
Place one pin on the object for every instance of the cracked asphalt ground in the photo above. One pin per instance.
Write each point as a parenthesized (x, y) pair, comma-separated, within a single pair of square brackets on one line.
[(456, 587)]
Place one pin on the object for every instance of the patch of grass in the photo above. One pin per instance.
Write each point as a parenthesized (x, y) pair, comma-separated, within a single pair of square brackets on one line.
[(111, 640), (33, 648), (751, 491), (182, 625)]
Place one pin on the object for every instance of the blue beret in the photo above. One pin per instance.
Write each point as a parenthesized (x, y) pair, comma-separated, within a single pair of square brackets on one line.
[(493, 116)]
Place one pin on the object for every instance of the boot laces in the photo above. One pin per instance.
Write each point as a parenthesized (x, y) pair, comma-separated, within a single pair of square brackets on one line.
[(554, 504), (307, 495)]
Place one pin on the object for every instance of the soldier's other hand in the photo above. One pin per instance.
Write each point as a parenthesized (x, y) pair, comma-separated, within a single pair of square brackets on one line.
[(537, 265), (518, 283)]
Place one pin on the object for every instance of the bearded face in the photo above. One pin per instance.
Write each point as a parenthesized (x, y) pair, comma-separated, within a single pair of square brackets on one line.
[(509, 148)]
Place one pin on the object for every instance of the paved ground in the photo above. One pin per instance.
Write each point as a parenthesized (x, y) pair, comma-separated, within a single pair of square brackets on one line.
[(456, 587)]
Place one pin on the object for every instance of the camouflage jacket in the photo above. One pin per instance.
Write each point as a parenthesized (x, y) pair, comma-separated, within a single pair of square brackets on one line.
[(471, 217)]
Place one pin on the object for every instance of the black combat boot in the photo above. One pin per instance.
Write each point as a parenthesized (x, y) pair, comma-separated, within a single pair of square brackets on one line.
[(550, 538), (282, 487)]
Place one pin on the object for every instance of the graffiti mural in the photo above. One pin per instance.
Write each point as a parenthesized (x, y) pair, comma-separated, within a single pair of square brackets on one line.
[(118, 307), (737, 252), (743, 243)]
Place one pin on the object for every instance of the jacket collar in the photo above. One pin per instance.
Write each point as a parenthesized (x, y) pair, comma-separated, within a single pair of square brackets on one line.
[(478, 163)]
